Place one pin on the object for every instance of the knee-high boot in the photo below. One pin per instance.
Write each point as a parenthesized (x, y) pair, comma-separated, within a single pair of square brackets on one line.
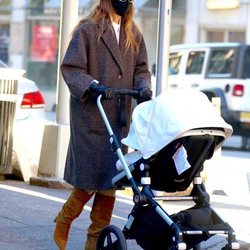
[(70, 210), (100, 216)]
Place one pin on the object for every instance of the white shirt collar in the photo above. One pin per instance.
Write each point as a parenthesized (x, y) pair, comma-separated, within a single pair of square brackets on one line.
[(117, 27)]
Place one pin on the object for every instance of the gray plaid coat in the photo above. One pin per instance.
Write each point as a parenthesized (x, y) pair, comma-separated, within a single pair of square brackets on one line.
[(90, 163)]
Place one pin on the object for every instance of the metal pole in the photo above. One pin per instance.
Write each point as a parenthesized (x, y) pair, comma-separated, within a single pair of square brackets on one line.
[(164, 24), (69, 18)]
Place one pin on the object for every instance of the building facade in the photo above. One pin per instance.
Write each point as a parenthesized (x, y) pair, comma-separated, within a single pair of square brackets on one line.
[(217, 21), (29, 31)]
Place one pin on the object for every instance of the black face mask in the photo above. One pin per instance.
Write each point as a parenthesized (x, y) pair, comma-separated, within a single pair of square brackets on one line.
[(120, 8)]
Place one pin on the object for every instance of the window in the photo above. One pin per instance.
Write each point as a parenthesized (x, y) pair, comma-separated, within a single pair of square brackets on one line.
[(4, 42), (42, 55), (246, 69), (5, 7), (221, 63), (235, 36), (195, 62), (174, 63), (214, 36)]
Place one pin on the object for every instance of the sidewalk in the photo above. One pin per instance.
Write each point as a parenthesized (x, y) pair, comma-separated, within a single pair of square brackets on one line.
[(27, 218), (27, 214)]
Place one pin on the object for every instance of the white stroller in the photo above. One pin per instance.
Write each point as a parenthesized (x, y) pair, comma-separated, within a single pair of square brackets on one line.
[(172, 136)]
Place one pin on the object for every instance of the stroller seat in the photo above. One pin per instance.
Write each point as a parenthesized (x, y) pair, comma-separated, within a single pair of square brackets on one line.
[(130, 158), (199, 145)]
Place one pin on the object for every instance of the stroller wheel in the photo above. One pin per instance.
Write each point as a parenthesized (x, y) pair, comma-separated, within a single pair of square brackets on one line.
[(111, 238)]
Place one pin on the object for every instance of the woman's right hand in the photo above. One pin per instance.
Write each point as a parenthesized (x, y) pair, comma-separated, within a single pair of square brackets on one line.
[(105, 91)]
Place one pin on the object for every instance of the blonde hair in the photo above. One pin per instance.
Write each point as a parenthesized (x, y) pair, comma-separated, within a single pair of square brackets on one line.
[(101, 12)]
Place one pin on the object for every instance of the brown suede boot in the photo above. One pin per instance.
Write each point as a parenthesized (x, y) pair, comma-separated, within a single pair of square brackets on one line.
[(70, 210), (100, 216), (61, 234)]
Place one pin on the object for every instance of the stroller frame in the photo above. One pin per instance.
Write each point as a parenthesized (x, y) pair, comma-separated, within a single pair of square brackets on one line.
[(144, 196)]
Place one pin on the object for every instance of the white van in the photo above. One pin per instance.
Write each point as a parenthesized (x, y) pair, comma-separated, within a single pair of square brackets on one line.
[(217, 69)]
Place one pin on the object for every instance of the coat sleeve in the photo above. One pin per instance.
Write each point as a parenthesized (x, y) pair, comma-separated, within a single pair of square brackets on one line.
[(74, 65), (142, 76)]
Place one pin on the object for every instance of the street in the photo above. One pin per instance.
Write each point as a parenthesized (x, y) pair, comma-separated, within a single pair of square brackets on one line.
[(201, 45), (27, 212)]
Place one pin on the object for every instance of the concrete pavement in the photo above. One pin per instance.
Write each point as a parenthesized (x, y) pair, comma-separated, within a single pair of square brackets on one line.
[(27, 213)]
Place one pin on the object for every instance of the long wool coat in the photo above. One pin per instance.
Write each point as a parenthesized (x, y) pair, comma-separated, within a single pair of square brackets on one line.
[(90, 162)]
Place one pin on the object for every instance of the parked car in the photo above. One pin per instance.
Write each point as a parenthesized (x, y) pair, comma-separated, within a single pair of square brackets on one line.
[(219, 70), (28, 125), (30, 103)]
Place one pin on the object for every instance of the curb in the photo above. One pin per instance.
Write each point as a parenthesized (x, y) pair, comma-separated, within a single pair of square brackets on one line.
[(49, 182)]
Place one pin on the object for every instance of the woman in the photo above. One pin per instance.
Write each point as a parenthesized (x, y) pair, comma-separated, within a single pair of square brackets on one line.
[(106, 50)]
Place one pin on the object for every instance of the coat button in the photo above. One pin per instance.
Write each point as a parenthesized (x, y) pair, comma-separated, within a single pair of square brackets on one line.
[(119, 77)]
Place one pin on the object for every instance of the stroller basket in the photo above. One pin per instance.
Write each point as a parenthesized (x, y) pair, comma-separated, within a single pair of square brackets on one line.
[(197, 224)]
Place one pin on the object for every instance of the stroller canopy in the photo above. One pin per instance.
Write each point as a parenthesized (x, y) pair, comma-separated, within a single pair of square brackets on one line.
[(157, 122)]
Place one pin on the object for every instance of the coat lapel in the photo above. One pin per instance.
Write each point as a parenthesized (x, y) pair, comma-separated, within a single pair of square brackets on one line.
[(110, 41)]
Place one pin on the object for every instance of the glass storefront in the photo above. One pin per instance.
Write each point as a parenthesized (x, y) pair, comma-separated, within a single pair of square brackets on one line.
[(42, 53), (4, 41), (42, 29), (5, 10), (43, 24)]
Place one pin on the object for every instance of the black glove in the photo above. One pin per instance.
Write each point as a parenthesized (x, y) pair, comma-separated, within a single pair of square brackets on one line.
[(144, 94), (105, 91)]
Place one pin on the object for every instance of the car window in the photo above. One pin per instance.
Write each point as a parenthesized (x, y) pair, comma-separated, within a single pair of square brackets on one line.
[(174, 63), (246, 69), (221, 63), (195, 62)]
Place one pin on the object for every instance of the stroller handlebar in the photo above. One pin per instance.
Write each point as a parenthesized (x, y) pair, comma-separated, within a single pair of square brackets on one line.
[(116, 92), (120, 91)]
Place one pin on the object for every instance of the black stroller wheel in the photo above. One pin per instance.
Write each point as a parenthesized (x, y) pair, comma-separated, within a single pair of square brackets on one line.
[(111, 238)]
